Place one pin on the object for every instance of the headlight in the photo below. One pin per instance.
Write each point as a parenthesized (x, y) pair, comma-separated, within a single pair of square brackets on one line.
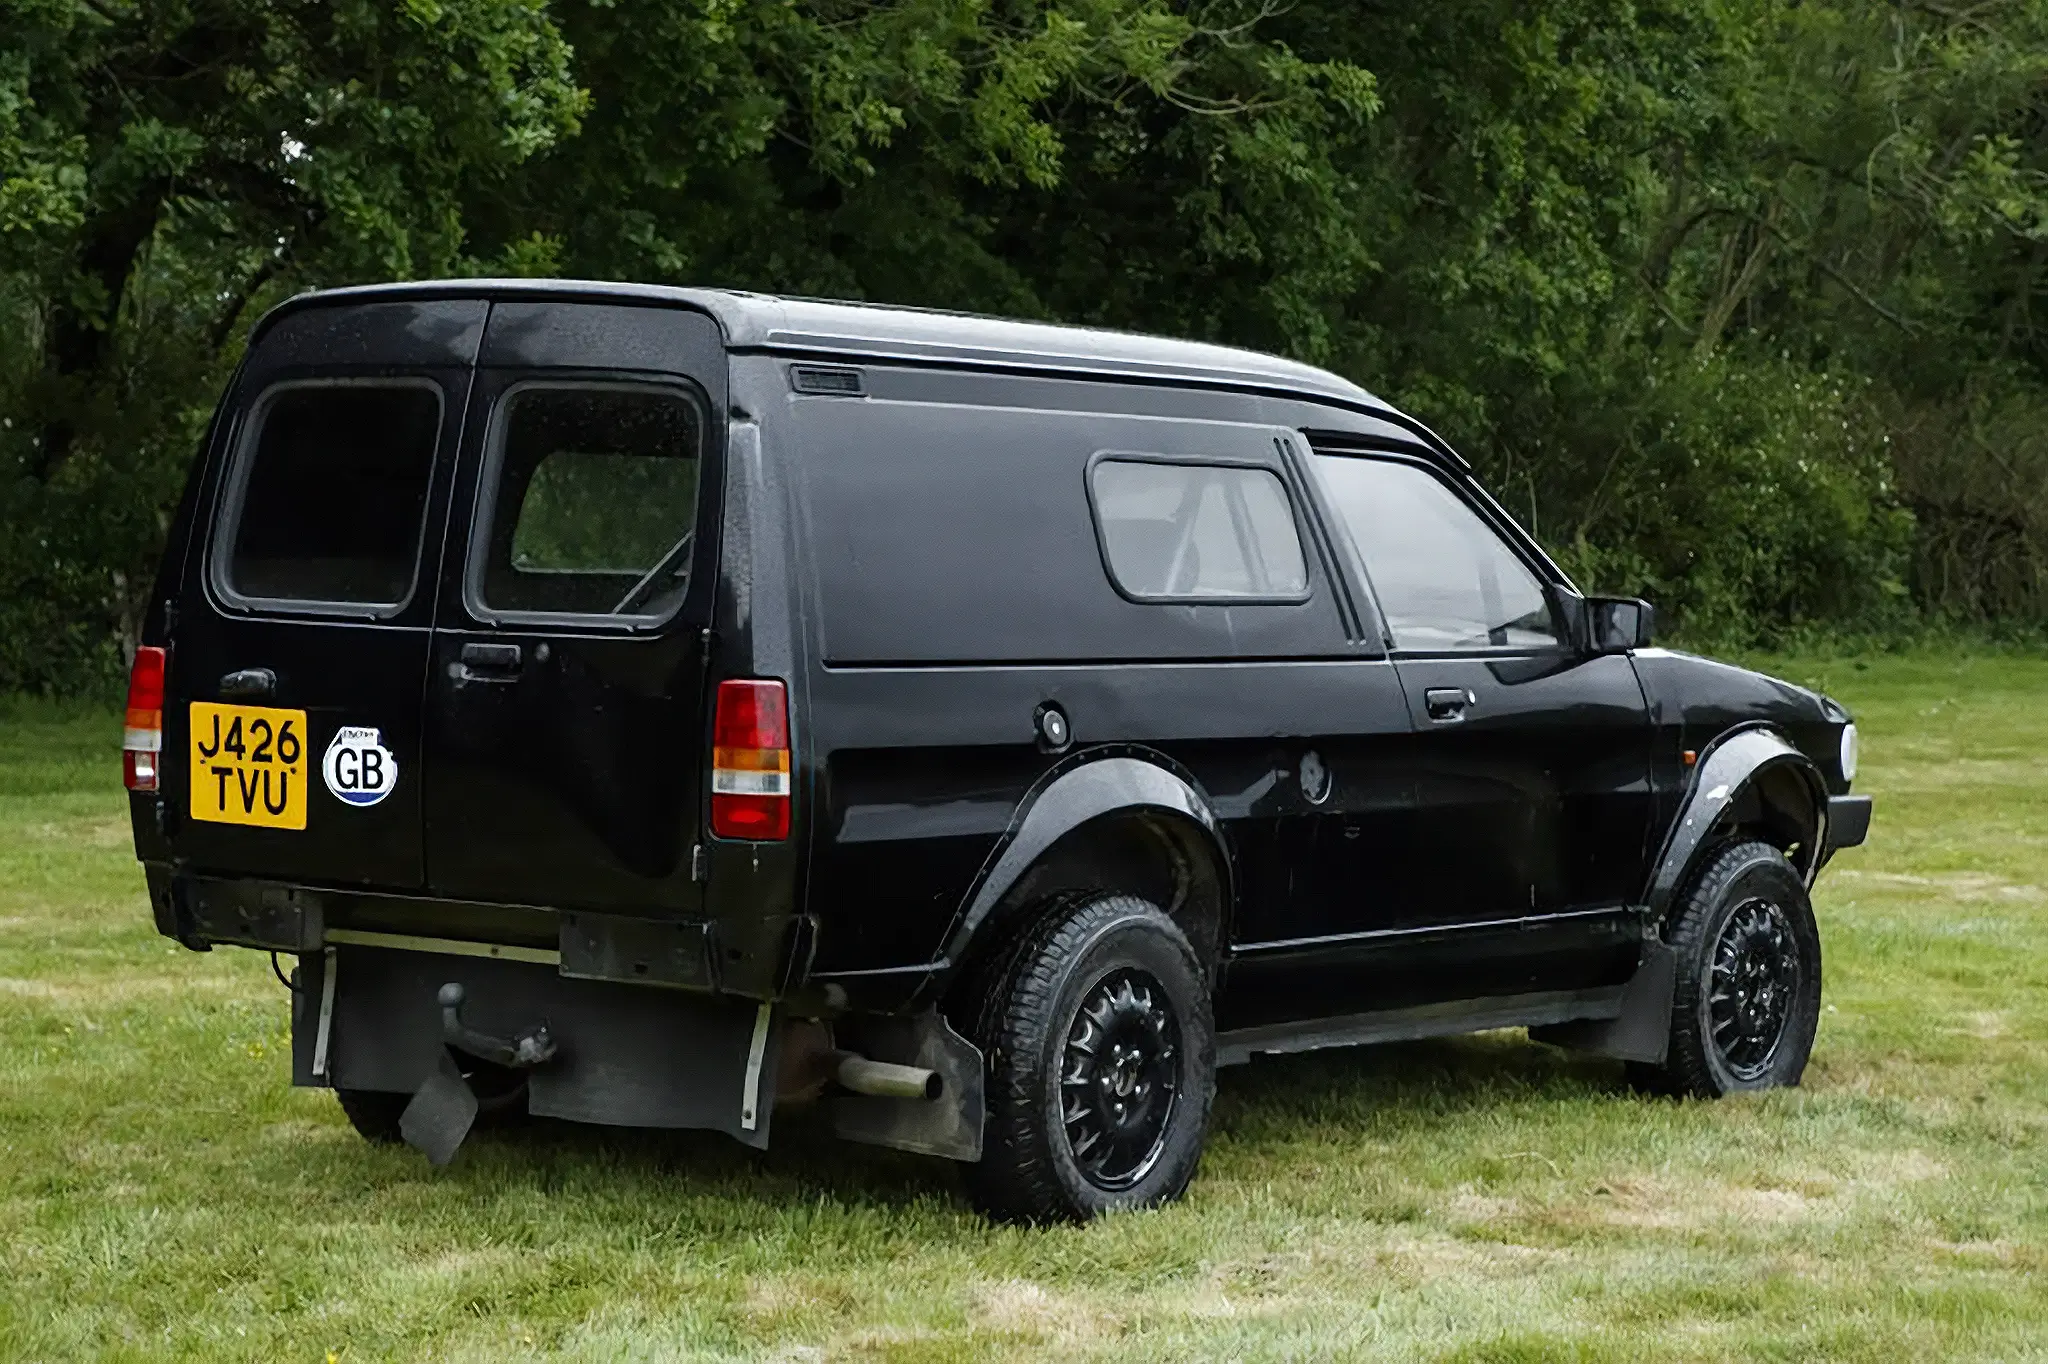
[(1848, 753)]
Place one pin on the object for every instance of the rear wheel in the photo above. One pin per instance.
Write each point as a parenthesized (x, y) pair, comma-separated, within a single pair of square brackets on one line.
[(373, 1113), (500, 1100), (1101, 1061), (1746, 1001)]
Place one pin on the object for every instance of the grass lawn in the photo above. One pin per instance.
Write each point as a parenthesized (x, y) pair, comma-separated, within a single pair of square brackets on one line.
[(164, 1193)]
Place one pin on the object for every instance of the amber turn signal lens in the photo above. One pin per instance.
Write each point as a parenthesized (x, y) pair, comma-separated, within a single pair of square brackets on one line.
[(142, 731), (750, 761)]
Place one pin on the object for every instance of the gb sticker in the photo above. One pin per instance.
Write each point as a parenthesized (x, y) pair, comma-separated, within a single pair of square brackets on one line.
[(358, 768)]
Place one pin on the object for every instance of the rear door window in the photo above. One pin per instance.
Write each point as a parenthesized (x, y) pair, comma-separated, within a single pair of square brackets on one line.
[(1446, 581), (591, 505), (329, 496), (1197, 532)]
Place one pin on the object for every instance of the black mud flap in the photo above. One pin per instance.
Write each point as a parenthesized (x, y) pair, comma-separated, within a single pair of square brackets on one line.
[(1642, 1030), (593, 1051), (440, 1114), (948, 1126)]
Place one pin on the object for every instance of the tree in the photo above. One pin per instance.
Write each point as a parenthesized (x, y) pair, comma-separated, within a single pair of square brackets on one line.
[(164, 168), (1734, 301)]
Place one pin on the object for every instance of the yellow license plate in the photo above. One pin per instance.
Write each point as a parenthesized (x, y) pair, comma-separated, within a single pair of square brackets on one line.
[(249, 765)]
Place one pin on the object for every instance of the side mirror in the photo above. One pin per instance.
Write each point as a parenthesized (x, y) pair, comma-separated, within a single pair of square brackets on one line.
[(1614, 625)]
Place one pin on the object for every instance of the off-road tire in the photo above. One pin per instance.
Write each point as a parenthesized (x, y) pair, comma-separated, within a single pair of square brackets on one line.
[(1754, 881), (373, 1113), (501, 1102), (1097, 952)]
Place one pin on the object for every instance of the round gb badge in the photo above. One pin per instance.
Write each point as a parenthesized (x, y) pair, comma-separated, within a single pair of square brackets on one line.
[(358, 769)]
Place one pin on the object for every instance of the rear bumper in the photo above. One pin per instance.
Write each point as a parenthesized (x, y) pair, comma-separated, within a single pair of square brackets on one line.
[(1848, 821)]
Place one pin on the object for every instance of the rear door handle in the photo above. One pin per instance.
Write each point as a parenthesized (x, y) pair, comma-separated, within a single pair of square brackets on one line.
[(249, 684), (491, 658), (1447, 704)]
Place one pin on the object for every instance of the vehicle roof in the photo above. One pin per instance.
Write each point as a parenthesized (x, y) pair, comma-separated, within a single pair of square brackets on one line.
[(829, 328)]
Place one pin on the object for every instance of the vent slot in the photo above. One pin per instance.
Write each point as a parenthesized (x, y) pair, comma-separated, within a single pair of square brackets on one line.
[(830, 381)]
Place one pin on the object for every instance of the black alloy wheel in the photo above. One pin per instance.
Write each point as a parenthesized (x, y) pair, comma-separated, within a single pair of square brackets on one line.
[(1096, 1030), (1753, 982), (1745, 1001), (1119, 1079)]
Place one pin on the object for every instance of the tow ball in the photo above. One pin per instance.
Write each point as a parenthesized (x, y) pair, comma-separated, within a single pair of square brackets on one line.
[(445, 1107), (522, 1051)]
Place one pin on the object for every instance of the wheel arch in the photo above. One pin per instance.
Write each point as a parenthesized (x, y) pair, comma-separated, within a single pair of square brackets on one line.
[(1125, 820), (1751, 782)]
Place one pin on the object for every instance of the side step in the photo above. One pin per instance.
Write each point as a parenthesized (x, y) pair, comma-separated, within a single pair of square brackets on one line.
[(1430, 1020)]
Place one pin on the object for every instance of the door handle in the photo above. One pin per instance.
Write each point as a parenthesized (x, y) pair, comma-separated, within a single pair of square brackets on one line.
[(495, 659), (500, 658), (249, 684), (1448, 704)]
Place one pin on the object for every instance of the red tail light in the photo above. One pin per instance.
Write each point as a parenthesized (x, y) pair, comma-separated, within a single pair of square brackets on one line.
[(750, 761), (142, 733)]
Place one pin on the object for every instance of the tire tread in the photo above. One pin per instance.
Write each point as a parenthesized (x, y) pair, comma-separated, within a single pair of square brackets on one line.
[(1016, 1179), (373, 1113), (1686, 1072)]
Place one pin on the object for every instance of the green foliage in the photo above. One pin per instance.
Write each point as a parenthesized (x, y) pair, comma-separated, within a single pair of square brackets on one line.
[(1734, 301), (166, 170)]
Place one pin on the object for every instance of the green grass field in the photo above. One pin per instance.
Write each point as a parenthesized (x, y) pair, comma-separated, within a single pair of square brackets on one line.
[(164, 1193)]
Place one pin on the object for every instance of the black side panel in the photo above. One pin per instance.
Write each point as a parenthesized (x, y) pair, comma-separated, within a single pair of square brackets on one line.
[(961, 587), (945, 757), (1006, 567)]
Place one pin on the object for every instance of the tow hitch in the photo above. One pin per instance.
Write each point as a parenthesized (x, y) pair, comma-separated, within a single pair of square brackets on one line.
[(445, 1107)]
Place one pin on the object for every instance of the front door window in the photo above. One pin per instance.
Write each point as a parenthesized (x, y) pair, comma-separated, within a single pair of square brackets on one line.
[(1446, 582)]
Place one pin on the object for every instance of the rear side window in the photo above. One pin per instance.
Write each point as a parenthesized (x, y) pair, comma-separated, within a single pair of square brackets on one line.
[(1197, 532), (331, 494), (1446, 582), (594, 502)]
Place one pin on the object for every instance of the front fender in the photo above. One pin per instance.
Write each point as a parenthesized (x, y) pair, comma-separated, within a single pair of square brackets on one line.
[(1731, 767), (1096, 784)]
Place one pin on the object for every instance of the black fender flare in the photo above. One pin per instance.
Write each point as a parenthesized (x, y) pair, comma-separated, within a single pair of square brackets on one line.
[(1732, 765), (1086, 787)]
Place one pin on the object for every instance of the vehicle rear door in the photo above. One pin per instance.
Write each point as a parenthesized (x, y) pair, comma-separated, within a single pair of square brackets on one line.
[(565, 725), (1531, 756), (300, 635)]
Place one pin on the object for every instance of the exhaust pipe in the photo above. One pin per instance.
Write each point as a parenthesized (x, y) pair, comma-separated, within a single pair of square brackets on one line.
[(886, 1080)]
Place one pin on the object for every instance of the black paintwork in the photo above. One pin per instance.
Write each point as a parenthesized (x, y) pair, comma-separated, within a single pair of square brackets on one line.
[(918, 562), (565, 771)]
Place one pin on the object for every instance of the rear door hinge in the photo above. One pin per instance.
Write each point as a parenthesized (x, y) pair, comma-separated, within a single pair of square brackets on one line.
[(700, 863)]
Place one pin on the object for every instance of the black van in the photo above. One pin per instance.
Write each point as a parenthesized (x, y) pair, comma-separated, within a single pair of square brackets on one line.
[(648, 706)]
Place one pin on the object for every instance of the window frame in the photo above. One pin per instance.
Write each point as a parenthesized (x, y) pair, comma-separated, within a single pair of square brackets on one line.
[(1287, 491), (230, 505), (1547, 577), (484, 512)]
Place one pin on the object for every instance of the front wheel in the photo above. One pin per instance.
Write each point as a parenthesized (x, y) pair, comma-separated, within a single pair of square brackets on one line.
[(1101, 1057), (1746, 1001)]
